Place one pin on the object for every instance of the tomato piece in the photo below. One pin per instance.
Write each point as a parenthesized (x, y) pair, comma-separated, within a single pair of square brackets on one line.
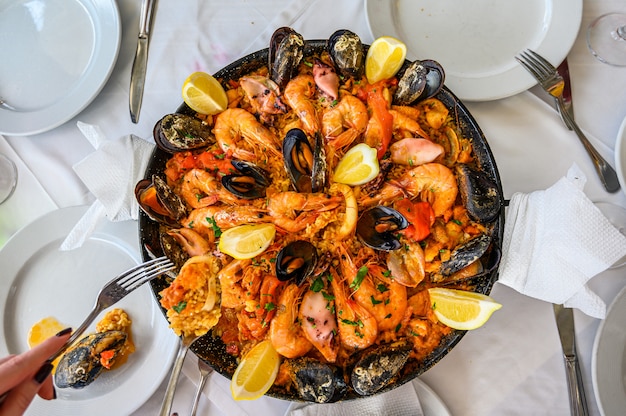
[(106, 357), (373, 94), (420, 216)]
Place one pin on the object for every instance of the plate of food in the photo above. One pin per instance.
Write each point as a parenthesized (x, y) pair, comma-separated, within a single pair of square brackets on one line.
[(59, 54), (477, 41), (608, 360), (44, 289), (301, 249)]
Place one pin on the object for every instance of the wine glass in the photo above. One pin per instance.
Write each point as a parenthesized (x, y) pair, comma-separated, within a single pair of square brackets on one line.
[(606, 38), (8, 177)]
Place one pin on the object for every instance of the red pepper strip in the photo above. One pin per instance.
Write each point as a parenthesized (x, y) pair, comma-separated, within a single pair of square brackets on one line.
[(106, 357), (420, 216), (377, 102)]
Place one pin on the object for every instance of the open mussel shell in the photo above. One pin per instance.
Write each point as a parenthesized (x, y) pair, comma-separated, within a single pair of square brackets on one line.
[(465, 254), (296, 261), (159, 201), (179, 132), (421, 80), (346, 50), (377, 228), (285, 53), (377, 366), (80, 366), (480, 194), (317, 381), (305, 165), (248, 181)]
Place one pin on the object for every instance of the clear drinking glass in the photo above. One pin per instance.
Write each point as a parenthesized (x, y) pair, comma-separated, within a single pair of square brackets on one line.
[(8, 177), (606, 38)]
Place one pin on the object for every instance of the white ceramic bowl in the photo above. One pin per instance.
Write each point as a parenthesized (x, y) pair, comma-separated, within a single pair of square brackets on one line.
[(620, 155)]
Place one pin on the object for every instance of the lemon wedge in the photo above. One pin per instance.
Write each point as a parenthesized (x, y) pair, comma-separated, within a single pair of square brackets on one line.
[(204, 94), (358, 166), (256, 373), (384, 58), (247, 241), (461, 309)]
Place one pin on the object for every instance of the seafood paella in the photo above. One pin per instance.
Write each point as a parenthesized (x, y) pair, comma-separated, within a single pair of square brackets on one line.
[(341, 287)]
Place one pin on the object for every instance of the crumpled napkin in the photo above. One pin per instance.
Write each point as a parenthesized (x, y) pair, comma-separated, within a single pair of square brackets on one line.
[(555, 240), (401, 401), (110, 173)]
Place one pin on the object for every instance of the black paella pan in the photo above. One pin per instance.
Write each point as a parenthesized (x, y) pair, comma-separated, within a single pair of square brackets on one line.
[(213, 350)]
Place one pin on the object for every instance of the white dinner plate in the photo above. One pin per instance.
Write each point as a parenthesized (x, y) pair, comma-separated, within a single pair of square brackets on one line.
[(431, 403), (620, 156), (56, 57), (608, 359), (476, 41), (38, 281)]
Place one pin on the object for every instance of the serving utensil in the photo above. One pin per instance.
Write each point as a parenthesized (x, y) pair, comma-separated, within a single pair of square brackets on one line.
[(116, 290), (567, 333), (205, 371), (140, 63), (552, 82)]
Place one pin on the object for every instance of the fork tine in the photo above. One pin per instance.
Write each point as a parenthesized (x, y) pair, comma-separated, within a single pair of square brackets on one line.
[(129, 274), (544, 71), (140, 280), (546, 64), (523, 61)]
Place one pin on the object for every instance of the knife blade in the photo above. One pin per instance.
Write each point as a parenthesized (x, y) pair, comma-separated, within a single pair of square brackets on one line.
[(140, 63), (567, 333)]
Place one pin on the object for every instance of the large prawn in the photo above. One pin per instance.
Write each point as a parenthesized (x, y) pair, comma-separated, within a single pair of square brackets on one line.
[(299, 94), (235, 125), (206, 219), (285, 330), (201, 188), (344, 123), (434, 178), (294, 211)]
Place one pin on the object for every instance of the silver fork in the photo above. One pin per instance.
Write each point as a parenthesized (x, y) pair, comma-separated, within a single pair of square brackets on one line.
[(550, 80), (117, 289)]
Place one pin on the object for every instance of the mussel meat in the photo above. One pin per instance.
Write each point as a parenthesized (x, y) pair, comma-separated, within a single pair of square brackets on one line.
[(377, 228), (317, 381), (346, 50), (248, 181), (285, 53), (305, 165), (83, 363), (421, 80), (159, 201), (479, 193), (180, 132), (378, 365), (297, 261), (465, 254)]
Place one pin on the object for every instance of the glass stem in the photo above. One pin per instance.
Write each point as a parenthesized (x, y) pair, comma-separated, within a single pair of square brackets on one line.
[(621, 32)]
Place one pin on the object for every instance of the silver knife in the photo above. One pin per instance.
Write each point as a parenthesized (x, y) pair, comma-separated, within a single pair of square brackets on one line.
[(563, 70), (138, 72), (567, 332)]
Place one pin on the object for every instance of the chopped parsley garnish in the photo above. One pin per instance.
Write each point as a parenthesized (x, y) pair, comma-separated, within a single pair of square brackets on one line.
[(217, 231), (269, 306), (382, 288), (317, 285), (360, 275), (374, 301), (181, 305)]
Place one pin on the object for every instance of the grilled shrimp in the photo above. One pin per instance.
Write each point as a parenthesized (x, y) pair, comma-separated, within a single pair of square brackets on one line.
[(200, 189), (235, 125), (205, 219), (345, 122), (299, 94), (283, 207), (285, 331)]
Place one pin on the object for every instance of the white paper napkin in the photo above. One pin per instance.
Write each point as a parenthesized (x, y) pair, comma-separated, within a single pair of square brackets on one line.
[(110, 173), (402, 401), (555, 240)]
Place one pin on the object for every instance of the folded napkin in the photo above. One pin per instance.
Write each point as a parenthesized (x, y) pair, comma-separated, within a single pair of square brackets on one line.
[(401, 401), (555, 240), (110, 173)]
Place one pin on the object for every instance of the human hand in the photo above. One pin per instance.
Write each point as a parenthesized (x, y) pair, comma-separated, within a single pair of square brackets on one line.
[(24, 375)]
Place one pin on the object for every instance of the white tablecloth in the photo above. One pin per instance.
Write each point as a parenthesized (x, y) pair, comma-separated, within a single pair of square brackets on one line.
[(512, 365)]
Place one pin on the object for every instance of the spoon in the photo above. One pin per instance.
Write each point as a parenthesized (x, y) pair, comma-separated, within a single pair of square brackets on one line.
[(205, 370)]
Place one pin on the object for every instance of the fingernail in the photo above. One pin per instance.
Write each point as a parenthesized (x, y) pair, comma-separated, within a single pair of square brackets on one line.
[(64, 332), (43, 372), (54, 392)]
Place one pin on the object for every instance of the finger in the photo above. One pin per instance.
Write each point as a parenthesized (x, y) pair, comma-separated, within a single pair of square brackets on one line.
[(7, 358), (20, 397), (20, 367), (47, 391)]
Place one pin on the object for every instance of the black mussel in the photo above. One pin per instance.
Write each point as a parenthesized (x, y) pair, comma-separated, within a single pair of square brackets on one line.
[(159, 201), (285, 53), (305, 165), (480, 194), (465, 254), (82, 364), (420, 80), (296, 261), (378, 365), (180, 132), (248, 181), (346, 50), (377, 228), (317, 381)]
